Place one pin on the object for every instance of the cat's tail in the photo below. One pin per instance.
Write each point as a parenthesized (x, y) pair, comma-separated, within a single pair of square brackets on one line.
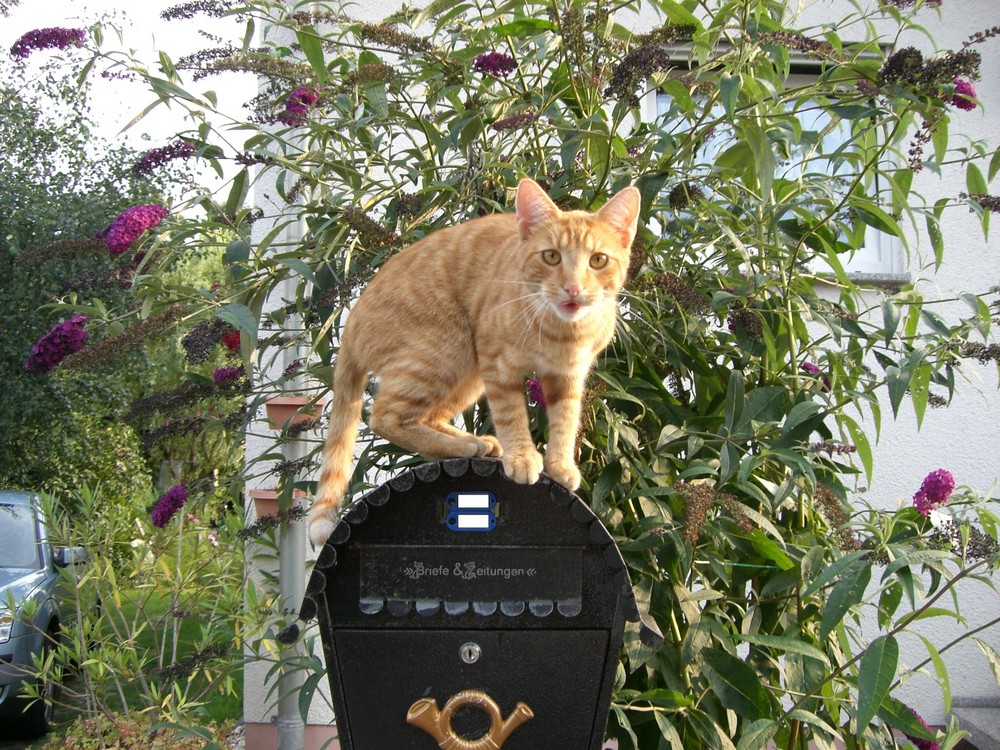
[(338, 452)]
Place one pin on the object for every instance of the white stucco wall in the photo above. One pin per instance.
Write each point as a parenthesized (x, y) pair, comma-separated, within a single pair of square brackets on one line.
[(963, 438)]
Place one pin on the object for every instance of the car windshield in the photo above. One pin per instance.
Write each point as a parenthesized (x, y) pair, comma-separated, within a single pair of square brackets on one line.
[(18, 543)]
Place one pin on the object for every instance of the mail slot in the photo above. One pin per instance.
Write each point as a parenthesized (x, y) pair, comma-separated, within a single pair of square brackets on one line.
[(458, 609)]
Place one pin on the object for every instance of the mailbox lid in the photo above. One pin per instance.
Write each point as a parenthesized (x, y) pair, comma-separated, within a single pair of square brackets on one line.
[(557, 674)]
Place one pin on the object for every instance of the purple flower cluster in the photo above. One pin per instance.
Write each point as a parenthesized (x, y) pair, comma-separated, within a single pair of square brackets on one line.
[(47, 39), (130, 225), (536, 395), (227, 375), (167, 506), (297, 106), (934, 492), (62, 340), (965, 95), (157, 157), (495, 64)]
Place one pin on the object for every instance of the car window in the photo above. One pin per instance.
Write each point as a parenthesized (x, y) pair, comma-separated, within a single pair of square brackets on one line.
[(18, 537)]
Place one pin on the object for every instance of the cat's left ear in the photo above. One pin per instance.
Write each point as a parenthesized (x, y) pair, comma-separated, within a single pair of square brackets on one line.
[(534, 207), (622, 213)]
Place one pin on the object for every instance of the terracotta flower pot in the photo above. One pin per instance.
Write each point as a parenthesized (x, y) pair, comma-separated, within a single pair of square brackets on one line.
[(265, 502), (285, 411)]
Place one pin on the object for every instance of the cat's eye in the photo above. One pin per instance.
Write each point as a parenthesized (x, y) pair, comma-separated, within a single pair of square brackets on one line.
[(598, 260), (551, 257)]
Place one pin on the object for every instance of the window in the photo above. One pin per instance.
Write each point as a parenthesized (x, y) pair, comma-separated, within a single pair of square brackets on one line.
[(820, 150)]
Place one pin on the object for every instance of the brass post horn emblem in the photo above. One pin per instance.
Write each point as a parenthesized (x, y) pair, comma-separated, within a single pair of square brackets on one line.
[(424, 714)]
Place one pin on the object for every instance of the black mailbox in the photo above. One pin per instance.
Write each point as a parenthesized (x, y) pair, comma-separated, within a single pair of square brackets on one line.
[(463, 611)]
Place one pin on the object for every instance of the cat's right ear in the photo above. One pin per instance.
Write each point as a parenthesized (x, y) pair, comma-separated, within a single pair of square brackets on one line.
[(534, 207)]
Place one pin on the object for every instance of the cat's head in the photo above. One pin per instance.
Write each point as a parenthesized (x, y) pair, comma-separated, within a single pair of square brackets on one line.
[(579, 259)]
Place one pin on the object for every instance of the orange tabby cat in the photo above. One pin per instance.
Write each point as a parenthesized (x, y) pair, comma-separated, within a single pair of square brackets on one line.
[(471, 308)]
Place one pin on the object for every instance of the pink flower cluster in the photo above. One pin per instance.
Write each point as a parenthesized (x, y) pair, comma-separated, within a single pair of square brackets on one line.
[(297, 106), (934, 492), (62, 340), (53, 38), (167, 506), (810, 369), (130, 225), (965, 95)]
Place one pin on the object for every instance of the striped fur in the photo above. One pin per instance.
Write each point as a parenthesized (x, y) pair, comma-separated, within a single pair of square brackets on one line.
[(474, 308)]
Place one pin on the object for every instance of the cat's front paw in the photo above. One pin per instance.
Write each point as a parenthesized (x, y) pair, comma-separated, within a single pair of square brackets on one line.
[(489, 446), (563, 472), (524, 467)]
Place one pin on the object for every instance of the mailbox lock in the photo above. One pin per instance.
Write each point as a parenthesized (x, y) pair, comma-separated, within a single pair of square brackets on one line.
[(470, 652)]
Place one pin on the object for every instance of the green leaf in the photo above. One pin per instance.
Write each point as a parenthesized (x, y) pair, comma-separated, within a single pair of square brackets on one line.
[(890, 319), (974, 180), (307, 690), (915, 557), (433, 9), (875, 677), (736, 684), (799, 414), (994, 165), (936, 237), (678, 14), (827, 573), (992, 657), (312, 47), (238, 192), (920, 390), (942, 672), (846, 593), (876, 218), (729, 88), (808, 717), (897, 715), (757, 735), (860, 440), (888, 603), (898, 382), (734, 399), (377, 99), (708, 731), (525, 27), (786, 644), (299, 266)]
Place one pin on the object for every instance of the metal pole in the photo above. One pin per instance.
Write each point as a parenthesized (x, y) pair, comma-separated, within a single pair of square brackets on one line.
[(292, 551)]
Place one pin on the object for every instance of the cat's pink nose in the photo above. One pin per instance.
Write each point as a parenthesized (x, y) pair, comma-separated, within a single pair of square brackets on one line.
[(572, 290)]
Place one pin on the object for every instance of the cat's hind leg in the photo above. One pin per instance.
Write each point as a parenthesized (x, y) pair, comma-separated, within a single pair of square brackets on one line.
[(411, 417)]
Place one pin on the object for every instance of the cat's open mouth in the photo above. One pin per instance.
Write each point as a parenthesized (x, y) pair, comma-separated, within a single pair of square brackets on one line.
[(570, 307)]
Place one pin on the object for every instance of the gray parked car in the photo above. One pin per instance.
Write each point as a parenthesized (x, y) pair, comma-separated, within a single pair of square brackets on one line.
[(29, 575)]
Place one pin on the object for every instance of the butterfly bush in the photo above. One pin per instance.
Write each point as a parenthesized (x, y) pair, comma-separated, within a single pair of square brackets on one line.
[(131, 225), (157, 157), (496, 64), (51, 38), (63, 339), (168, 504), (934, 491), (297, 106), (965, 95)]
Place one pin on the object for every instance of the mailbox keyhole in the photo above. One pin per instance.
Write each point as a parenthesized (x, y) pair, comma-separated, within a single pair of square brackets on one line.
[(470, 652)]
